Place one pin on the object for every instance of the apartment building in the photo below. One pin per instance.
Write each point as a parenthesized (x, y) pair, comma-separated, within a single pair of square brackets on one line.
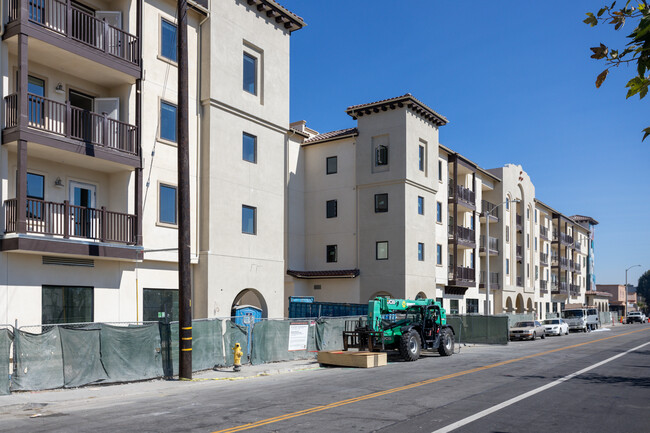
[(88, 158), (590, 224)]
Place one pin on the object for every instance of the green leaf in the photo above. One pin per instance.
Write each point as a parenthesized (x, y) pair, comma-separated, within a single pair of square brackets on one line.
[(592, 21), (601, 77), (599, 52), (602, 11), (647, 132)]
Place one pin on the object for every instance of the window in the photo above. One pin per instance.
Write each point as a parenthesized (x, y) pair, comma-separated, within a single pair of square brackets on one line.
[(471, 260), (507, 266), (548, 307), (453, 306), (527, 241), (420, 205), (249, 148), (381, 155), (440, 170), (472, 306), (439, 212), (381, 203), (249, 220), (536, 272), (167, 121), (420, 251), (535, 243), (439, 254), (528, 213), (331, 165), (331, 209), (36, 108), (332, 254), (535, 215), (507, 202), (471, 222), (421, 158), (158, 304), (250, 74), (381, 252), (168, 45), (507, 233), (555, 307), (167, 203), (67, 304), (35, 186)]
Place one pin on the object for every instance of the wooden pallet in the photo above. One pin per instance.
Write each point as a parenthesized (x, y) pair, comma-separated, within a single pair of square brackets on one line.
[(352, 359)]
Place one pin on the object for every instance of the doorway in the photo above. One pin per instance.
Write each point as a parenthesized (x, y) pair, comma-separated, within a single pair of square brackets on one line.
[(84, 216), (82, 116)]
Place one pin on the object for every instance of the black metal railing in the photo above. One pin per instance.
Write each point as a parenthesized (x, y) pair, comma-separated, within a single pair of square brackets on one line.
[(493, 244), (520, 281), (486, 207), (462, 194), (543, 258), (543, 232)]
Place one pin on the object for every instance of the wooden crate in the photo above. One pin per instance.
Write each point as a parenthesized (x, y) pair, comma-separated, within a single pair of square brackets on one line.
[(352, 359)]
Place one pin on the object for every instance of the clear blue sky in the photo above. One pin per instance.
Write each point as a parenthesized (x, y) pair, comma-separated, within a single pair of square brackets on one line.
[(517, 85)]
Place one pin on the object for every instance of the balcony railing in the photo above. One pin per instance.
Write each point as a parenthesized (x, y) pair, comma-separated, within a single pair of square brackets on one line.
[(493, 244), (518, 251), (560, 287), (543, 286), (70, 221), (543, 258), (67, 121), (576, 266), (494, 280), (566, 239), (72, 22), (486, 206), (519, 221), (543, 232), (462, 194), (465, 274), (574, 290), (520, 282), (578, 245), (463, 234)]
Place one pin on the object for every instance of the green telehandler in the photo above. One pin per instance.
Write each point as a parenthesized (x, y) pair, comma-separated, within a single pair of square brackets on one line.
[(409, 326)]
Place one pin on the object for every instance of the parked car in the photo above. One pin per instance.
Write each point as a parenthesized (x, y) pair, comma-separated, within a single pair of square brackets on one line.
[(635, 316), (527, 330), (556, 327)]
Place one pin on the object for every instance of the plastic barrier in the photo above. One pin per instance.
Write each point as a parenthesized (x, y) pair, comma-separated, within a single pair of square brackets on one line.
[(207, 344), (514, 318), (234, 334), (283, 340), (39, 361), (329, 333), (5, 347), (480, 329), (131, 353)]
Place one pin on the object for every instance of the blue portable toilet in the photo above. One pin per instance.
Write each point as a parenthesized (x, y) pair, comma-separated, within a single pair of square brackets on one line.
[(241, 311)]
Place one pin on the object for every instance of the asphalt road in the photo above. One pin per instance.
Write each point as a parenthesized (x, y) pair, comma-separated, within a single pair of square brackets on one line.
[(526, 386)]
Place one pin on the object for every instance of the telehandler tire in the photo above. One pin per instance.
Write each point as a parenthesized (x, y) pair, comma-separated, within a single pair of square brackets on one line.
[(410, 346), (446, 347)]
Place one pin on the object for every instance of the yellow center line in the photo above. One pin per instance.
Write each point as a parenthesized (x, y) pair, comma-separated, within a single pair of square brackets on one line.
[(407, 387)]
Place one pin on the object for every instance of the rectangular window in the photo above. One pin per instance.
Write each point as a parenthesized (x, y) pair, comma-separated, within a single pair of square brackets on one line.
[(420, 251), (421, 158), (439, 254), (507, 203), (168, 121), (507, 233), (331, 165), (381, 203), (250, 74), (332, 254), (61, 304), (35, 186), (167, 203), (535, 215), (472, 306), (158, 304), (555, 307), (453, 306), (471, 260), (331, 209), (507, 266), (527, 213), (548, 307), (381, 252), (36, 108), (471, 222), (249, 220), (440, 170), (535, 243), (249, 147), (420, 205), (381, 155), (439, 212), (439, 301), (536, 272), (168, 45)]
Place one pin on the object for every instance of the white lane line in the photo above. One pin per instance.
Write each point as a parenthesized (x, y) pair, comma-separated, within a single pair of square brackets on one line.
[(514, 400)]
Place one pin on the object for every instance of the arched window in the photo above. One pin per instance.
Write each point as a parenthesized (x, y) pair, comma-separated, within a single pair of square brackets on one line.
[(381, 155)]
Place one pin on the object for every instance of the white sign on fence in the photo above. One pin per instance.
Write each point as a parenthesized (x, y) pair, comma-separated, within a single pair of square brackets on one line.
[(298, 333)]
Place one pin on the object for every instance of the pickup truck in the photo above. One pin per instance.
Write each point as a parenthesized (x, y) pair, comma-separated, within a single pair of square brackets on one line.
[(635, 316)]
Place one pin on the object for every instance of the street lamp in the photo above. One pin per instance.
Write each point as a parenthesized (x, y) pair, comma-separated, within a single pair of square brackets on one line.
[(625, 300), (487, 254)]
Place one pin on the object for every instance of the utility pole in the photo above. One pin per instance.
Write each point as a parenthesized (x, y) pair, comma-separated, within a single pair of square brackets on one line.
[(184, 277), (625, 297)]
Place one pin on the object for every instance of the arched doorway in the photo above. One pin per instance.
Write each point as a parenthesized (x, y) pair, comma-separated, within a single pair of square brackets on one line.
[(381, 295), (520, 304), (421, 295), (251, 297), (508, 305), (529, 305)]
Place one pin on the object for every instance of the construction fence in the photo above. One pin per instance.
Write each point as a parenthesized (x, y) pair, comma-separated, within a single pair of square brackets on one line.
[(477, 329)]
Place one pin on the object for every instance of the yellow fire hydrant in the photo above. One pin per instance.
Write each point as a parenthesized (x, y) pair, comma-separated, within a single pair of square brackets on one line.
[(237, 354)]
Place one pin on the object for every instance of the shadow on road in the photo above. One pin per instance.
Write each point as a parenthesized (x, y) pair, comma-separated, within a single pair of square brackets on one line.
[(643, 382)]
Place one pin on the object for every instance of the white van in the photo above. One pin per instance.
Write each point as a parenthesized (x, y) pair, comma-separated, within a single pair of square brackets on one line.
[(582, 319)]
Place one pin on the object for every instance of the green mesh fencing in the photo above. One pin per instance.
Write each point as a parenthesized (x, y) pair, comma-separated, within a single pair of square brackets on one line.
[(235, 334), (39, 361), (82, 362), (329, 333), (131, 353), (207, 344), (271, 341), (514, 318), (480, 329), (5, 347)]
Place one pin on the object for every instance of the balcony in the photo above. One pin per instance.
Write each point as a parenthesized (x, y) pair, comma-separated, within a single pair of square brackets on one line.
[(63, 126), (464, 277), (543, 286), (463, 196), (566, 239), (518, 252), (559, 288), (64, 25), (519, 220), (575, 266), (464, 236), (493, 209), (543, 233), (578, 245), (574, 290), (493, 245), (543, 259), (520, 281), (494, 280)]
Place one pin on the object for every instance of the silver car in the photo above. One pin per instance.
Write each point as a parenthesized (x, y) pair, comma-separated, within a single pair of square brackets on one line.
[(528, 330), (556, 327)]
